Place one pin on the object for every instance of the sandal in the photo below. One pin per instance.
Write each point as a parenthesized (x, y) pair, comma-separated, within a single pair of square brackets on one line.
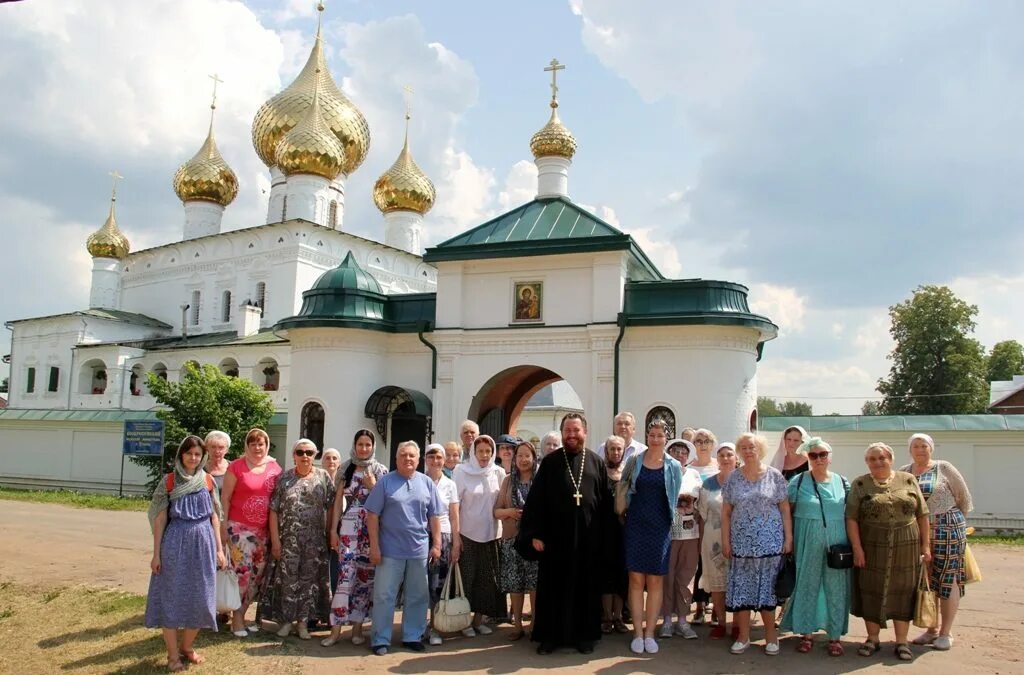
[(607, 627), (926, 638), (620, 626), (903, 652), (835, 648), (805, 645), (192, 657), (869, 648), (518, 635), (175, 666)]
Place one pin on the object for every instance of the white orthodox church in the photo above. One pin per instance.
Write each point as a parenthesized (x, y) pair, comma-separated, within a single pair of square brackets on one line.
[(345, 332)]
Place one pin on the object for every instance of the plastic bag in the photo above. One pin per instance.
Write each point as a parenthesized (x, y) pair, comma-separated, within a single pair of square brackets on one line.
[(228, 597)]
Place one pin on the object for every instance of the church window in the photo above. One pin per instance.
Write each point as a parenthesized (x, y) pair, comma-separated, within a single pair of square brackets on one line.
[(662, 413), (312, 426), (54, 379), (284, 208), (226, 306), (30, 384), (196, 297), (332, 218), (261, 296)]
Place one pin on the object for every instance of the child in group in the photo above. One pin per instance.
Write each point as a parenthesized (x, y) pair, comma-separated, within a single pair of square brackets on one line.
[(685, 551)]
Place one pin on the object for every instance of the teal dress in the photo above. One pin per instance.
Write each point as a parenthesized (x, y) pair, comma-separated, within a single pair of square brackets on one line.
[(821, 599)]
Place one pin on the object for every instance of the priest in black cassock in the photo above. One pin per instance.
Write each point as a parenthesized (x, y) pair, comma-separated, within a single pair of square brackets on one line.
[(567, 504)]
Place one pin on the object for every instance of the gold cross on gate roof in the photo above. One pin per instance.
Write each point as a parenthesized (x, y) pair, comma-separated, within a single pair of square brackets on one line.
[(553, 68), (408, 100), (113, 189)]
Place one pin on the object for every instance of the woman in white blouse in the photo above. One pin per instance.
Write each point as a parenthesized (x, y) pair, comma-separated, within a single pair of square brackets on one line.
[(948, 499), (478, 481)]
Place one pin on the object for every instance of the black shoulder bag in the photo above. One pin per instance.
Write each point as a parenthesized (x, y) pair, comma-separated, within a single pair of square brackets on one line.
[(837, 556)]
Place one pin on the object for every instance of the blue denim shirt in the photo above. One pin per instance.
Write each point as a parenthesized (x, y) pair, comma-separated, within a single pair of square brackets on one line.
[(673, 478)]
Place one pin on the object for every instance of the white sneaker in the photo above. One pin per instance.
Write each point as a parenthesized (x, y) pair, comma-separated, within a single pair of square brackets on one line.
[(772, 649), (302, 630), (637, 645), (739, 647), (683, 628), (285, 630), (650, 645), (484, 629), (469, 632), (435, 638), (666, 628), (943, 643)]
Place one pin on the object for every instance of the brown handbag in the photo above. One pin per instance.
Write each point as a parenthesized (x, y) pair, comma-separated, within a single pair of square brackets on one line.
[(926, 614)]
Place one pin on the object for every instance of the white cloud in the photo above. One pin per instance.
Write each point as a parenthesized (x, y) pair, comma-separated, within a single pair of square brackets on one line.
[(520, 185), (661, 252), (998, 298), (785, 306)]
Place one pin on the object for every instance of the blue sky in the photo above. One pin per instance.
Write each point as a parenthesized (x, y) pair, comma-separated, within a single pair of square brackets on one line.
[(832, 156)]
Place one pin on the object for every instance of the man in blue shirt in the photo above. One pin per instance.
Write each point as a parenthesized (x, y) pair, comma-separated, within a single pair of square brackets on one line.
[(403, 521)]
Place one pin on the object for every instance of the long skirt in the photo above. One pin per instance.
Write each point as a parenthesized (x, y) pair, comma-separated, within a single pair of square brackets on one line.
[(353, 594), (437, 571), (886, 587), (517, 575), (821, 598), (949, 545), (247, 555), (479, 566)]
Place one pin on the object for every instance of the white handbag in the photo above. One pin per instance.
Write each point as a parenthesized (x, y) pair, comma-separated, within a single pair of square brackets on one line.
[(452, 614), (228, 597)]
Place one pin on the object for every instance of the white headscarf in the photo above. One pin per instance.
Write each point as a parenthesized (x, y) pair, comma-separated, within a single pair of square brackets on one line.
[(472, 466), (779, 460), (924, 437)]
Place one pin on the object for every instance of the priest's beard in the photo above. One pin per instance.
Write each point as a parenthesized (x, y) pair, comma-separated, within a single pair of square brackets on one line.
[(573, 448)]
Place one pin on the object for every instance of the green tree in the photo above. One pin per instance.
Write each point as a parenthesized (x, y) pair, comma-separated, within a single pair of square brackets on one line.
[(769, 407), (1005, 361), (4, 385), (937, 367), (204, 400), (871, 408)]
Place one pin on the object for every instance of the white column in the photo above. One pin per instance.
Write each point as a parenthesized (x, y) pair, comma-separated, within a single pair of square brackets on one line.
[(553, 176), (309, 198), (275, 205), (338, 195), (402, 229), (202, 218), (105, 292)]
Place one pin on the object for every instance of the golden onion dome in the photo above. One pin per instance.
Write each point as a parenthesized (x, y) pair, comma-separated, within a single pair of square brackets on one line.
[(404, 187), (553, 139), (108, 241), (281, 113), (206, 177), (310, 147)]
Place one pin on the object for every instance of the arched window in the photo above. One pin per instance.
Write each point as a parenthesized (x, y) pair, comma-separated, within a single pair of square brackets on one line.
[(196, 297), (332, 215), (225, 301), (261, 296), (312, 425), (660, 412)]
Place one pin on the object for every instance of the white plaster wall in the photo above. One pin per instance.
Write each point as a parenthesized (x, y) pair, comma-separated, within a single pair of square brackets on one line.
[(578, 289), (990, 461), (704, 374)]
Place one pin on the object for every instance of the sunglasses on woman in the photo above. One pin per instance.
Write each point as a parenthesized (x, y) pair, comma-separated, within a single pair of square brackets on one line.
[(817, 455), (305, 453)]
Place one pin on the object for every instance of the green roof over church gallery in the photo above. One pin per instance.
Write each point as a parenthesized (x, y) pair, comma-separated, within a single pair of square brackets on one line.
[(544, 226)]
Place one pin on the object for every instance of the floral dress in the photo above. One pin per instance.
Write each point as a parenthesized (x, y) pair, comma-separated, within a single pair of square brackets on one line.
[(757, 536), (353, 596), (297, 587)]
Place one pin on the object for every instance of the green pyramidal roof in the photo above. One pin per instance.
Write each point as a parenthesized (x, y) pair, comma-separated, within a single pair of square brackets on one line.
[(544, 226), (347, 275)]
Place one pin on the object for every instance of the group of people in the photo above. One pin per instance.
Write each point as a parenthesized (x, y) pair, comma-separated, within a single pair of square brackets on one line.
[(631, 532)]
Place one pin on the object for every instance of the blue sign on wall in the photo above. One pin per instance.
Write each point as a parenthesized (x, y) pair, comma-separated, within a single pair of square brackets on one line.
[(143, 437)]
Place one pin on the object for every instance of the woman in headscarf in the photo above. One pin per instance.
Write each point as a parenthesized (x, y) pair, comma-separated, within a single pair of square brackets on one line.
[(948, 500), (330, 461), (353, 594), (714, 564), (517, 576), (821, 597), (298, 590), (478, 480), (788, 458), (217, 444), (248, 484), (187, 551), (434, 459)]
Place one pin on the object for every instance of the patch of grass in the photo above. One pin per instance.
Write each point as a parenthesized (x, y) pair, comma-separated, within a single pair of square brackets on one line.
[(81, 500), (1014, 540), (84, 629)]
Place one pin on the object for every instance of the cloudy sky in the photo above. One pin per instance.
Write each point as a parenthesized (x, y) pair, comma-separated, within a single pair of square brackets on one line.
[(830, 155)]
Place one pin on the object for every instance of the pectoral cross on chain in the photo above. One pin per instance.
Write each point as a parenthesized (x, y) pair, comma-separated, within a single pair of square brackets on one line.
[(578, 497)]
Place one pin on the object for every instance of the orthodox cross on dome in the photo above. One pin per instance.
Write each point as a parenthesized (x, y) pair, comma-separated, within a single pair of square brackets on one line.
[(115, 176), (553, 68), (216, 81), (407, 95), (319, 17)]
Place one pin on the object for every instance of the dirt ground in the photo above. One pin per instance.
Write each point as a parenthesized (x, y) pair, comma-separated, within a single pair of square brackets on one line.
[(43, 542)]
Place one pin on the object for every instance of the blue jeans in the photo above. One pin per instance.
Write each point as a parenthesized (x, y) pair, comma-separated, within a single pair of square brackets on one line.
[(391, 575)]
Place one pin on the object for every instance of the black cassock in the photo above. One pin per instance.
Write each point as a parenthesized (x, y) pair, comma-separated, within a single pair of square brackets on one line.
[(569, 581)]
